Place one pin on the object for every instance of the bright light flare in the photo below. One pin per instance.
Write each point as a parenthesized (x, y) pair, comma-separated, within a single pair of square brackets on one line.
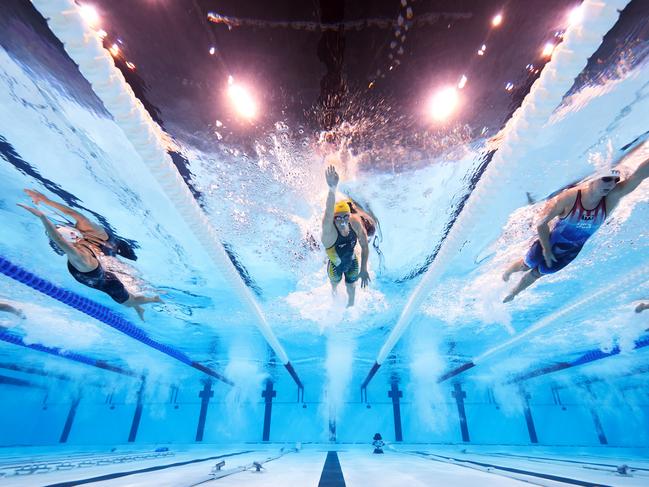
[(89, 15), (575, 15), (114, 50), (462, 83), (443, 104), (548, 49), (497, 20), (241, 100)]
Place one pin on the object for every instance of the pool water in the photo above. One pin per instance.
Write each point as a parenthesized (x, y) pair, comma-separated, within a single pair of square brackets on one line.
[(248, 358)]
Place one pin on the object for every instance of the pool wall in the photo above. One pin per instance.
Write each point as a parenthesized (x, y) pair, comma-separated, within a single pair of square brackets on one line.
[(33, 413)]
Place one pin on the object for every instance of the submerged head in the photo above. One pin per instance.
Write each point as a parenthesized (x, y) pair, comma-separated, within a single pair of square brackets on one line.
[(605, 181), (342, 213)]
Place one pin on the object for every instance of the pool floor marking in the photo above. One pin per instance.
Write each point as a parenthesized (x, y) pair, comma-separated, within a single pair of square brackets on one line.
[(205, 395), (395, 394), (116, 475), (601, 436), (555, 478), (137, 416), (459, 396), (560, 460), (70, 420), (268, 394), (529, 420), (332, 474)]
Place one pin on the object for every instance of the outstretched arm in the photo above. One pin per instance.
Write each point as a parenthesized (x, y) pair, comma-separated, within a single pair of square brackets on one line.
[(78, 259), (328, 228), (628, 185), (50, 229), (82, 223)]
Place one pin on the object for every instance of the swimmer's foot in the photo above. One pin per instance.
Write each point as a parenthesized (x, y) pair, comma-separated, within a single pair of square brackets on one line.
[(146, 299), (140, 311), (507, 274), (509, 297)]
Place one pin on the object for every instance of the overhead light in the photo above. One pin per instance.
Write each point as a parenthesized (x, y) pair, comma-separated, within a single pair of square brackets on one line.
[(444, 103), (548, 49), (241, 99), (89, 15)]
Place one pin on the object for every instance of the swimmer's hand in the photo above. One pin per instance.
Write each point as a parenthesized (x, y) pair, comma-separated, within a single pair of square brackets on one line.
[(365, 278), (641, 307), (33, 211), (549, 257), (332, 177), (36, 196)]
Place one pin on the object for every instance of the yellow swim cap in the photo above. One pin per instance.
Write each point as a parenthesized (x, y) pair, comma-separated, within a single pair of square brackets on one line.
[(341, 207)]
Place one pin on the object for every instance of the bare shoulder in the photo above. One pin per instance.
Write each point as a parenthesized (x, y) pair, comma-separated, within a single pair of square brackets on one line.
[(564, 201)]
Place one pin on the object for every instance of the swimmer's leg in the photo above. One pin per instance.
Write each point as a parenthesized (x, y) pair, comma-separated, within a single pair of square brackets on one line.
[(136, 302), (518, 266), (527, 280), (351, 293), (351, 276), (139, 299), (334, 277)]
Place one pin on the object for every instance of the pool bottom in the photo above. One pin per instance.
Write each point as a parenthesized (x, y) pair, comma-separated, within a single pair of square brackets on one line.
[(325, 465)]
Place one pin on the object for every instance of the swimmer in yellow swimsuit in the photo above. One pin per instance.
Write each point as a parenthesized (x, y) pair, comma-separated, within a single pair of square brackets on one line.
[(341, 230)]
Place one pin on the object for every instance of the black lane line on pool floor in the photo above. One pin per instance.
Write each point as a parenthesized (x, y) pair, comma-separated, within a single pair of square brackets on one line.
[(555, 478), (116, 475), (563, 460), (332, 474)]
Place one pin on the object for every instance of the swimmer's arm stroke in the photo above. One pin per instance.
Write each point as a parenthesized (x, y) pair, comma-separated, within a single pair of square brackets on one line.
[(329, 233), (83, 224), (628, 185), (358, 227), (554, 208), (73, 254)]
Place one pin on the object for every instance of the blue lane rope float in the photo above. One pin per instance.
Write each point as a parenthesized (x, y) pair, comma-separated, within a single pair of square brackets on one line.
[(585, 358), (100, 313), (75, 357)]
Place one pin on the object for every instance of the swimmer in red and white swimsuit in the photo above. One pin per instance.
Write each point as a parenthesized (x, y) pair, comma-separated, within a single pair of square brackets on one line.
[(83, 244), (581, 211)]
